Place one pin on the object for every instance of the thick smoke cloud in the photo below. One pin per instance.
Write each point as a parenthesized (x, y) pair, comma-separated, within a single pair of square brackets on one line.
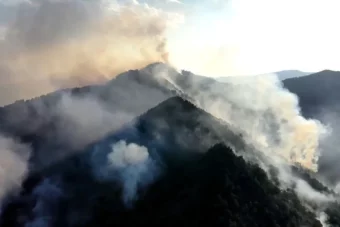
[(90, 44), (269, 119), (75, 122), (13, 164), (304, 190), (266, 114), (86, 119), (57, 44)]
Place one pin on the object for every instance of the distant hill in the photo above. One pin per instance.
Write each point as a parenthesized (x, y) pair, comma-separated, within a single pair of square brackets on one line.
[(286, 74), (282, 75), (316, 91)]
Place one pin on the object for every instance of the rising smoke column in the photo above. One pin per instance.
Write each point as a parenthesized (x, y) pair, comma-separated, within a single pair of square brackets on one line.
[(265, 113), (13, 164), (128, 164), (56, 44), (269, 116)]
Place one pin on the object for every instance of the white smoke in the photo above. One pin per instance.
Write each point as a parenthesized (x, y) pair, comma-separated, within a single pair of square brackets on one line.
[(135, 167), (72, 121), (269, 119), (323, 219), (86, 119), (127, 154), (305, 191), (13, 164), (263, 111)]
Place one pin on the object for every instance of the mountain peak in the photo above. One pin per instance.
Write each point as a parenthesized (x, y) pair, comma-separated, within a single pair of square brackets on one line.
[(328, 71), (158, 68)]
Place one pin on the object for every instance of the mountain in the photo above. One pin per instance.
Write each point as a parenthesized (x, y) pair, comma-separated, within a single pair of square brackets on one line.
[(282, 75), (286, 74), (319, 98), (52, 122), (144, 149), (316, 91), (212, 186)]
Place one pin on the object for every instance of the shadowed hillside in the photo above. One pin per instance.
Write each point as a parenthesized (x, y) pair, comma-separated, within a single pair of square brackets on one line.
[(211, 186), (138, 150), (316, 91), (319, 98)]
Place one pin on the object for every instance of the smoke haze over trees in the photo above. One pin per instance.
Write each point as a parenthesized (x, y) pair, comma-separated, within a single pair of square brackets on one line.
[(148, 158), (127, 138)]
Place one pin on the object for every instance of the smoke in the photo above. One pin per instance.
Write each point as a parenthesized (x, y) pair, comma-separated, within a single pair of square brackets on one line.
[(305, 191), (268, 118), (13, 164), (302, 188), (67, 122), (323, 219), (85, 119), (124, 155), (72, 43), (329, 157), (136, 168), (130, 165), (73, 122), (265, 113), (57, 44), (47, 195)]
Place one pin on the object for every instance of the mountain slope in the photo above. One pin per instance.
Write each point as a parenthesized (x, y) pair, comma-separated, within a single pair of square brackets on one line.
[(129, 152), (319, 98), (316, 91), (59, 121), (211, 186), (51, 121)]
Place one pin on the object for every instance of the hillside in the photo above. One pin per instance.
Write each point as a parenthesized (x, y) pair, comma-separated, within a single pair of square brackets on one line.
[(59, 121), (316, 91), (144, 149), (319, 98), (210, 186)]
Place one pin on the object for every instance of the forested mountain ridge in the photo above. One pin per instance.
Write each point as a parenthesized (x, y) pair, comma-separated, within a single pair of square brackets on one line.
[(140, 150)]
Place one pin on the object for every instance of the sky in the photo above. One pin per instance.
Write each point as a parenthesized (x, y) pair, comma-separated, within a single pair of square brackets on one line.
[(245, 37), (241, 37), (46, 45)]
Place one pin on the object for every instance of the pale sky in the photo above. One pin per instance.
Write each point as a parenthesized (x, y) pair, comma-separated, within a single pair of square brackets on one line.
[(234, 37)]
